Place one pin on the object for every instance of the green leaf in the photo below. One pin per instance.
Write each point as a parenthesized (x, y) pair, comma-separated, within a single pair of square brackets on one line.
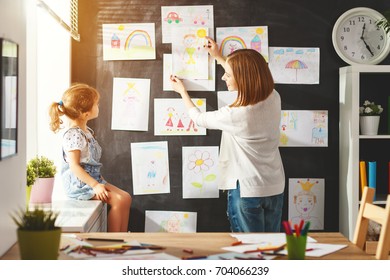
[(210, 177), (196, 184), (37, 219)]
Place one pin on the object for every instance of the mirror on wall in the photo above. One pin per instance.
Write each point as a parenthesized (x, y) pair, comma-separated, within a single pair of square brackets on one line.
[(9, 97)]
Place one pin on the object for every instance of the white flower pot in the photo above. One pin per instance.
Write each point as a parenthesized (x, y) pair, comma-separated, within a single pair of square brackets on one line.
[(369, 125)]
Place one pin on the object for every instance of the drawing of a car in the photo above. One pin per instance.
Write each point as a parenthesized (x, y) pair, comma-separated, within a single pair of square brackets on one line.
[(173, 17)]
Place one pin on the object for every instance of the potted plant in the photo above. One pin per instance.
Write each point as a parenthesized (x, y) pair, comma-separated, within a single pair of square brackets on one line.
[(40, 179), (369, 118), (38, 237)]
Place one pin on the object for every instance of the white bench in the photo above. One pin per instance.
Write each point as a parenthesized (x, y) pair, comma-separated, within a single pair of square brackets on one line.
[(78, 215)]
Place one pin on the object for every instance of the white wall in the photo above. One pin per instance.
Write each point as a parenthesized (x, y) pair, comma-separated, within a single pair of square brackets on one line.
[(13, 169), (44, 73), (52, 71)]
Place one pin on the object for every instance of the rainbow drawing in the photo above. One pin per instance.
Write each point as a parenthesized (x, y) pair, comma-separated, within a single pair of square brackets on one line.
[(232, 43), (135, 33)]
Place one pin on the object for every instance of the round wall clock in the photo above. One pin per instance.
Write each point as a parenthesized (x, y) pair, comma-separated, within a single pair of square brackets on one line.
[(357, 39)]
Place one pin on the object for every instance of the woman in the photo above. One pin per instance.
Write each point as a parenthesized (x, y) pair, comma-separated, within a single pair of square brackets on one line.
[(250, 165)]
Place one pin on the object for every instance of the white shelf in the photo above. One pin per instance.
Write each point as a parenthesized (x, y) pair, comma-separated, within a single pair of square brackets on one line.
[(349, 102), (374, 136)]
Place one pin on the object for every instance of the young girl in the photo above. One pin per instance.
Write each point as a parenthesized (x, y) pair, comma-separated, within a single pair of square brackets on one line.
[(81, 152), (249, 162)]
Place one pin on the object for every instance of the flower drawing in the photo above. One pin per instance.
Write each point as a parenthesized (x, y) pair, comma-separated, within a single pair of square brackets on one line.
[(200, 161)]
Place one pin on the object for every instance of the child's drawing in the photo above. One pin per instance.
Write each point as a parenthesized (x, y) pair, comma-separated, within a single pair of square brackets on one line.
[(230, 39), (190, 84), (129, 41), (173, 17), (170, 221), (171, 118), (295, 65), (304, 128), (200, 172), (306, 202), (189, 57), (225, 98), (130, 104), (150, 167)]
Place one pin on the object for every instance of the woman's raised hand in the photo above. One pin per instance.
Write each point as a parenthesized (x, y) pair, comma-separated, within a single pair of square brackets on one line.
[(212, 47)]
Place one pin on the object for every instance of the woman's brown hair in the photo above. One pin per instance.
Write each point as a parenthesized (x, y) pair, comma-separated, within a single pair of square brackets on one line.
[(253, 77), (76, 100)]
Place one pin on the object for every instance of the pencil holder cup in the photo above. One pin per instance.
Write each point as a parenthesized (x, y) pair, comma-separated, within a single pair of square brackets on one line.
[(296, 247)]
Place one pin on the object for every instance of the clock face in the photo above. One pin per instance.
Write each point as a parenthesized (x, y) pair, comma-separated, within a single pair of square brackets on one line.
[(358, 40)]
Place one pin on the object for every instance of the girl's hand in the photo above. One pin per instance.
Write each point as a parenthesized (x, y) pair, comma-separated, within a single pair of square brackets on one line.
[(101, 192), (177, 85)]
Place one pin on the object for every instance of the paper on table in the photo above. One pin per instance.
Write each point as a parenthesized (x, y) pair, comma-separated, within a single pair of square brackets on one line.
[(108, 256), (319, 249), (156, 256), (252, 247), (238, 256), (74, 243), (269, 238)]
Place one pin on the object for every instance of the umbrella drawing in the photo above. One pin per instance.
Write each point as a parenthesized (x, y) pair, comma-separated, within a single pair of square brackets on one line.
[(296, 64)]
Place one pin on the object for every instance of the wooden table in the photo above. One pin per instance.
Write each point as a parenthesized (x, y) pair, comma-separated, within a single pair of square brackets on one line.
[(211, 243)]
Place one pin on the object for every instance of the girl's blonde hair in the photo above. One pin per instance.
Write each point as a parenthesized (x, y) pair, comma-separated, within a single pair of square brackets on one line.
[(76, 100), (253, 77)]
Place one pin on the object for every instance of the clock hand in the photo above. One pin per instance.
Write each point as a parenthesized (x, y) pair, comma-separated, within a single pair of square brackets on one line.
[(362, 38), (368, 47)]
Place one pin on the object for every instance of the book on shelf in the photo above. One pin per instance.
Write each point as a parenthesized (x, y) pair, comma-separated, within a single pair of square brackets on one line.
[(363, 175), (372, 175), (367, 173)]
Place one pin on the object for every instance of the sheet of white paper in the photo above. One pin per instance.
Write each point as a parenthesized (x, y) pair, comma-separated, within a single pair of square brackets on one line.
[(251, 247), (303, 128), (171, 117), (256, 238), (129, 41), (173, 17), (150, 167), (295, 65), (130, 104), (239, 256), (170, 221), (307, 201), (200, 172), (190, 84), (319, 249), (189, 57), (155, 256), (230, 39), (73, 241)]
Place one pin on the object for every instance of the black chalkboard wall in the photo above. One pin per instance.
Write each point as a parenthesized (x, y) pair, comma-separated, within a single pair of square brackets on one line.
[(299, 23)]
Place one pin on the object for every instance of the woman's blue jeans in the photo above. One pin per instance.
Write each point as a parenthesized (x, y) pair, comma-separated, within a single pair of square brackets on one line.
[(254, 214)]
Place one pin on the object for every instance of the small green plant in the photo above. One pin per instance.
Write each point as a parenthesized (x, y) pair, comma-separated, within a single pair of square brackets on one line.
[(385, 22), (35, 220), (40, 167)]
